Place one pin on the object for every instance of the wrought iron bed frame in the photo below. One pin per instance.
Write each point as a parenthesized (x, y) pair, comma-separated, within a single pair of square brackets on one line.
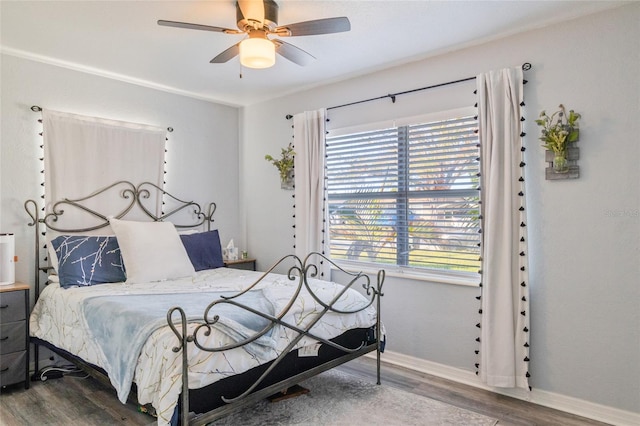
[(302, 270)]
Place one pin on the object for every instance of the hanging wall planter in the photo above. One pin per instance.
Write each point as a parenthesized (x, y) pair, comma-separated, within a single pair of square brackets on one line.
[(559, 135), (287, 183), (284, 166), (555, 170)]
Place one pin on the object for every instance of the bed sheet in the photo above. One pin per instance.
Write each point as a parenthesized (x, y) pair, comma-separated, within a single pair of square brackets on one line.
[(58, 319)]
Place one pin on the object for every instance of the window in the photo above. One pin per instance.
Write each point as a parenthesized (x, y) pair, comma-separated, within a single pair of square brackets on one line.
[(407, 195)]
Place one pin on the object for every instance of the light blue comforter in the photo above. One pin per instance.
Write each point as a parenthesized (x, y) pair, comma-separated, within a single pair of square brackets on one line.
[(122, 324)]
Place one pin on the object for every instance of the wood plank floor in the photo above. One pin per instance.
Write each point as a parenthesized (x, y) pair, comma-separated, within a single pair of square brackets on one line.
[(67, 401), (76, 401), (509, 411)]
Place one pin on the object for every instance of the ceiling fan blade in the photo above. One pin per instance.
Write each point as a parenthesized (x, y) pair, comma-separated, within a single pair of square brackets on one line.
[(197, 27), (252, 9), (317, 26), (230, 53), (293, 53)]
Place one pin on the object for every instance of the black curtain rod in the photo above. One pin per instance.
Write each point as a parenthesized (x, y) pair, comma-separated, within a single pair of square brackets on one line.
[(525, 67), (36, 108)]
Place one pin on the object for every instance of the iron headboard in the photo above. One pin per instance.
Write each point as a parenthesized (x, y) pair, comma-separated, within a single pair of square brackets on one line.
[(133, 196)]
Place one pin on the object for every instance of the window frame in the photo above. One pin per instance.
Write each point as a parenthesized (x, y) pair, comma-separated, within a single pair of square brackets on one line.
[(465, 278)]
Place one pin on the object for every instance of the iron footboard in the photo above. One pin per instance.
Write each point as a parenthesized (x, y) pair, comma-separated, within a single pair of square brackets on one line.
[(302, 272)]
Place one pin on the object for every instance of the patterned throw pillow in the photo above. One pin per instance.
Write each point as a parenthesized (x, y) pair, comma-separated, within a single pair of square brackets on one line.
[(86, 260)]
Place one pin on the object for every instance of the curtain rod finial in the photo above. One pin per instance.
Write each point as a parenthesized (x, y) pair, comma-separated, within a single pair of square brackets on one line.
[(526, 66), (288, 116), (36, 108)]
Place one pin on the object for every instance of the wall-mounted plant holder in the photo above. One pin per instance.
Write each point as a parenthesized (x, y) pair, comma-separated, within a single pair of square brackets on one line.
[(284, 165), (288, 182), (573, 172)]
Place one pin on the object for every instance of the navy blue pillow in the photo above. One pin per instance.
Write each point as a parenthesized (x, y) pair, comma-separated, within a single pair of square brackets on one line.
[(203, 249), (84, 260)]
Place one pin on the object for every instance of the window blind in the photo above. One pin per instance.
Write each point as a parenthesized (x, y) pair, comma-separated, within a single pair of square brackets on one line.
[(406, 195)]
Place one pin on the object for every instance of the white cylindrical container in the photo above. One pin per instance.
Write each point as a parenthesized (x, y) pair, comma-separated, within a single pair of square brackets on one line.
[(7, 256)]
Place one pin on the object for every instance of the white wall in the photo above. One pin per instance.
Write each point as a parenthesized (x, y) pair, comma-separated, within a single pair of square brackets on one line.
[(202, 157), (584, 233)]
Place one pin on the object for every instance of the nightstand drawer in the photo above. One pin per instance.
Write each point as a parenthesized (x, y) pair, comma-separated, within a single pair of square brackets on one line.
[(12, 337), (12, 368), (12, 305)]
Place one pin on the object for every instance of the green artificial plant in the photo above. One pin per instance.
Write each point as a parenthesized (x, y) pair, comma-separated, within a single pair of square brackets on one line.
[(285, 163), (559, 129)]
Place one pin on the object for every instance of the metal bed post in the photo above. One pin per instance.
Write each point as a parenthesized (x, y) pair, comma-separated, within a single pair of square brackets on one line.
[(35, 223), (184, 339), (381, 275)]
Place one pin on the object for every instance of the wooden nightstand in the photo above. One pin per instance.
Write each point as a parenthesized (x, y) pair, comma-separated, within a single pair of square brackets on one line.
[(14, 334), (247, 264)]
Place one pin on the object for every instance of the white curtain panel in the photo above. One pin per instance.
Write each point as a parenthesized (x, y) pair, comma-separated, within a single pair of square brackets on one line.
[(504, 325), (83, 154), (309, 164)]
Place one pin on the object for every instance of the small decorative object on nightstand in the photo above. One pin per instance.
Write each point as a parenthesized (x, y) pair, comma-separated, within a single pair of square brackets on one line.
[(247, 264), (14, 334)]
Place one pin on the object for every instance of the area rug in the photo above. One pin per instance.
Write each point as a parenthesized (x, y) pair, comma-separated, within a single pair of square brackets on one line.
[(338, 398)]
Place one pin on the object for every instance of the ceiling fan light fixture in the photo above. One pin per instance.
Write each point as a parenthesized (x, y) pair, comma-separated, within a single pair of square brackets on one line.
[(258, 19), (257, 53)]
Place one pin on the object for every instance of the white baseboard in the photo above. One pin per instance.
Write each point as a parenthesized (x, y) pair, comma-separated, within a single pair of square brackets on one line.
[(553, 400)]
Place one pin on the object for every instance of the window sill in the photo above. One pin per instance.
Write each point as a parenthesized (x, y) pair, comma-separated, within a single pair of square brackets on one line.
[(455, 278)]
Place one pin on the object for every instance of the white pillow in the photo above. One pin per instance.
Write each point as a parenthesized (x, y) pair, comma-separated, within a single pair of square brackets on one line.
[(152, 251)]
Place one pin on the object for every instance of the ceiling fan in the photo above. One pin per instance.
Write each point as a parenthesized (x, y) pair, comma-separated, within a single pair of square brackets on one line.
[(258, 19)]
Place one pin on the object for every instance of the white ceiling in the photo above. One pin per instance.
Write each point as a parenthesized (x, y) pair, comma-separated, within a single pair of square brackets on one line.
[(121, 39)]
